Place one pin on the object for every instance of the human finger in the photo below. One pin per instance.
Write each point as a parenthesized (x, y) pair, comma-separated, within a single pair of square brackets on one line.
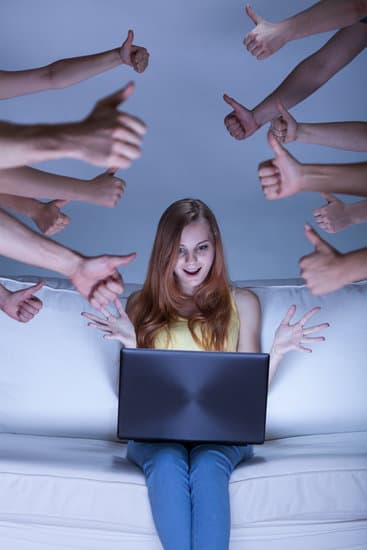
[(306, 316), (288, 316), (28, 292), (270, 181), (28, 308), (249, 41), (116, 261), (272, 192), (130, 38), (119, 306), (24, 316), (263, 55), (252, 15), (314, 338), (267, 168), (328, 197), (315, 328), (133, 122), (118, 97), (60, 202), (232, 102), (315, 239), (304, 349), (278, 149), (102, 291), (93, 317), (256, 49)]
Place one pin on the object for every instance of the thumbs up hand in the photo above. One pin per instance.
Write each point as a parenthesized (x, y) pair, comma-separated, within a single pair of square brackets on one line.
[(322, 269), (266, 38), (21, 305), (241, 122), (281, 176), (135, 56)]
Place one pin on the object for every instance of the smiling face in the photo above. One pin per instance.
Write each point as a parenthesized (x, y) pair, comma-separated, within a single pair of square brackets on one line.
[(195, 256)]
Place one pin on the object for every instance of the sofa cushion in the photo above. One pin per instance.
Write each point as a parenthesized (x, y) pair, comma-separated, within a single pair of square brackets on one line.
[(59, 377), (85, 483)]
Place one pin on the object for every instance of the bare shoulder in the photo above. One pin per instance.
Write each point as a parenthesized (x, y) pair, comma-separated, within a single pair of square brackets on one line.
[(247, 302)]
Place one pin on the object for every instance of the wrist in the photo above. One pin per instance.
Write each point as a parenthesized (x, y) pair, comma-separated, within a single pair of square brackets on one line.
[(275, 352), (302, 132), (258, 117), (287, 30), (68, 262), (34, 209), (357, 212), (118, 54)]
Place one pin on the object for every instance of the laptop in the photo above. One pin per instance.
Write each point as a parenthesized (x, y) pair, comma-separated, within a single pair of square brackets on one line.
[(192, 396)]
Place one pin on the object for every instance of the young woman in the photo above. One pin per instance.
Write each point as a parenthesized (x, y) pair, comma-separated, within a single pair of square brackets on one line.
[(187, 302)]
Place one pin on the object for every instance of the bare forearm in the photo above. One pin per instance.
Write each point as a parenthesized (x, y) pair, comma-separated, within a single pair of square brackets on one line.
[(24, 144), (21, 205), (342, 135), (358, 211), (354, 267), (325, 16), (59, 74), (29, 182), (350, 179), (275, 360), (21, 243), (66, 72)]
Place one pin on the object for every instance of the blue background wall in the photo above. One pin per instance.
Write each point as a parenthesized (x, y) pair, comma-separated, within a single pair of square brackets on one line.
[(196, 55)]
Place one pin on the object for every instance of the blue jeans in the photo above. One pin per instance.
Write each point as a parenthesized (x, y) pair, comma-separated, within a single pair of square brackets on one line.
[(188, 491)]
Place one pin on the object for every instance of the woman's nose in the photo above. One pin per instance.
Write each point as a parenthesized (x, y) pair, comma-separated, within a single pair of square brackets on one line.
[(191, 256)]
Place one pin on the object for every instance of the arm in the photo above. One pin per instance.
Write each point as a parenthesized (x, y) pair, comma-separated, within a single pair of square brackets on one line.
[(107, 137), (337, 215), (47, 216), (326, 270), (21, 305), (97, 279), (249, 312), (105, 189), (65, 72), (284, 176), (267, 38), (342, 135)]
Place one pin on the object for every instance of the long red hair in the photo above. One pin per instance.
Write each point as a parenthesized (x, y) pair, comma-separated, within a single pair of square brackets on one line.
[(160, 300)]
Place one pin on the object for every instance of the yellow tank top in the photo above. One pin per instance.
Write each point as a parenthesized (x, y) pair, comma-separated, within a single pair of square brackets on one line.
[(178, 335)]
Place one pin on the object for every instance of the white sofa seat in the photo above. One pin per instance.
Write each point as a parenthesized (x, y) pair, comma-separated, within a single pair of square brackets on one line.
[(88, 485)]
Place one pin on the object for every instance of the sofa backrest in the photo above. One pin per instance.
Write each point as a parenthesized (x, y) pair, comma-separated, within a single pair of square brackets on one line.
[(59, 377)]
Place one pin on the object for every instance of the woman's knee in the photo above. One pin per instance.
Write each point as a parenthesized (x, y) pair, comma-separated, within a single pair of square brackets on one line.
[(167, 460), (209, 459)]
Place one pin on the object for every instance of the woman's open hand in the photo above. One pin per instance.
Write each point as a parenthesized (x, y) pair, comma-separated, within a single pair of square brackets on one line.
[(115, 327), (296, 336)]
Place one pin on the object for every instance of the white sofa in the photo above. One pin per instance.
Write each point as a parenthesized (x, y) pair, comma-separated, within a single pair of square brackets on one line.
[(65, 483)]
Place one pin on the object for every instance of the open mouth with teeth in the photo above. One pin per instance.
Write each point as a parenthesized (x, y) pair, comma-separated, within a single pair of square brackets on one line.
[(192, 273)]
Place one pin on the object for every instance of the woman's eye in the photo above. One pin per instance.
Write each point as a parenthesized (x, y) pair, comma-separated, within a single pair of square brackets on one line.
[(181, 251), (203, 247)]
